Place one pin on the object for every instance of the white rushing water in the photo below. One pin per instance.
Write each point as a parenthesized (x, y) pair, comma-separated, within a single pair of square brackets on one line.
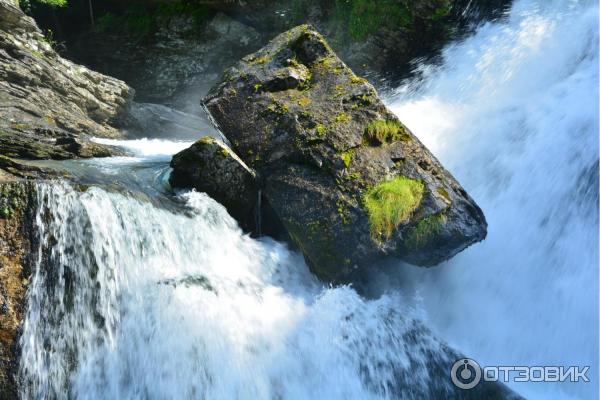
[(148, 148), (513, 113), (132, 300)]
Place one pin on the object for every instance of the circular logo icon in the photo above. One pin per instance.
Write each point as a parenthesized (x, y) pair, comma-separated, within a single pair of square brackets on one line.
[(465, 373)]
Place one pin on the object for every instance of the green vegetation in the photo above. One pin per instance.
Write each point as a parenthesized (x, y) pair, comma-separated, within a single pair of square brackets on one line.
[(444, 193), (258, 60), (26, 4), (304, 101), (342, 210), (382, 131), (440, 12), (357, 20), (142, 20), (12, 198), (356, 80), (342, 117), (363, 18), (424, 231), (390, 203), (347, 157), (223, 152), (278, 108), (321, 130), (205, 140)]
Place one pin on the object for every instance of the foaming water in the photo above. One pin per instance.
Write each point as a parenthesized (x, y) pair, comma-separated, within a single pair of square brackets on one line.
[(145, 147), (513, 113), (131, 301)]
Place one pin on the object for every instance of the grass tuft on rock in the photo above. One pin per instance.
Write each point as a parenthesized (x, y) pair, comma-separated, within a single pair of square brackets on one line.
[(390, 203), (419, 235), (382, 131)]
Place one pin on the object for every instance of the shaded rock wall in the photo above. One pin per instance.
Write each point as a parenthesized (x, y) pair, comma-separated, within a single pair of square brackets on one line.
[(175, 57)]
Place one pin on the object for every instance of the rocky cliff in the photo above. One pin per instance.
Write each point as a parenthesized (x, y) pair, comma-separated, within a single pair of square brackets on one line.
[(49, 106)]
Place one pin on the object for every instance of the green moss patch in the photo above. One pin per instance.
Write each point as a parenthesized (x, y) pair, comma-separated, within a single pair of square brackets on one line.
[(390, 203), (346, 157), (223, 152), (12, 199), (444, 193), (321, 130), (382, 131), (143, 18), (426, 229), (205, 140), (258, 60), (342, 118)]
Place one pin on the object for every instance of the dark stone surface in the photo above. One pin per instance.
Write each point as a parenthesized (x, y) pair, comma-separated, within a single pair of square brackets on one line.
[(300, 117), (211, 166)]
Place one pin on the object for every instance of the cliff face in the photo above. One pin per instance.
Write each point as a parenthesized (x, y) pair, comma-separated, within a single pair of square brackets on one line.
[(50, 106), (17, 199)]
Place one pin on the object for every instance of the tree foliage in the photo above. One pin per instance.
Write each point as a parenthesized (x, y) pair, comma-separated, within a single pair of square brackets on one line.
[(26, 4)]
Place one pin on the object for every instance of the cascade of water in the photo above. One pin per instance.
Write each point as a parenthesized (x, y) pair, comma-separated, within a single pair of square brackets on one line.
[(132, 301), (513, 112)]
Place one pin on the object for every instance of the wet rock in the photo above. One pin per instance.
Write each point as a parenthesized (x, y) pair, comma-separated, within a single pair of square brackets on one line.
[(211, 166), (347, 179), (16, 220), (45, 98)]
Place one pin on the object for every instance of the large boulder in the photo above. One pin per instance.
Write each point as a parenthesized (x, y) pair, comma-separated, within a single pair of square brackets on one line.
[(49, 106), (209, 165), (347, 179)]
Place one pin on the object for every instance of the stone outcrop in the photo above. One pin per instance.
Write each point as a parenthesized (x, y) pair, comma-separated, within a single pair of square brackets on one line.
[(347, 179), (211, 166), (50, 106)]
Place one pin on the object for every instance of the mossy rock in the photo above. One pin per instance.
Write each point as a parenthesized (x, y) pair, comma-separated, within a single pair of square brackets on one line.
[(330, 154)]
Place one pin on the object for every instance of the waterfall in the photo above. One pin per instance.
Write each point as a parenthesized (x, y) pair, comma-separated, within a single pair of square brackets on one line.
[(133, 301), (513, 112)]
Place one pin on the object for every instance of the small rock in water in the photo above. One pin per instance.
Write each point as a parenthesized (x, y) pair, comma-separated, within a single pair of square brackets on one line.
[(210, 166)]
